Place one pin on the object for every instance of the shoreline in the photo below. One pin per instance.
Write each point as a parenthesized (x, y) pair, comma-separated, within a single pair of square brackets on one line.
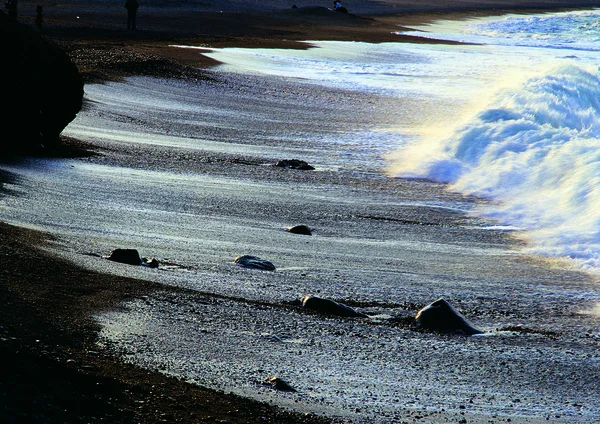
[(135, 388), (51, 368), (149, 47)]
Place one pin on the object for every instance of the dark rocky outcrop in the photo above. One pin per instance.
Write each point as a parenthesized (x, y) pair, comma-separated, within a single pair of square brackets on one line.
[(42, 90), (248, 261), (328, 306), (300, 229), (294, 164), (441, 316)]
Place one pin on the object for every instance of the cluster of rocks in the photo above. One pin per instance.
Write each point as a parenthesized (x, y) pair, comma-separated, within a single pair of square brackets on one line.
[(254, 262), (437, 316)]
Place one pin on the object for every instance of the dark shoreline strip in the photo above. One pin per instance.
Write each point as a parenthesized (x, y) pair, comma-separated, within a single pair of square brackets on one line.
[(51, 368)]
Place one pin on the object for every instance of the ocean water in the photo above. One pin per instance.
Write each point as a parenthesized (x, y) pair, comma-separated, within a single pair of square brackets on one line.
[(513, 118)]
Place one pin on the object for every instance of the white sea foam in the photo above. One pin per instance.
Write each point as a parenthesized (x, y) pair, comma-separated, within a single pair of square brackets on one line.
[(569, 30), (535, 146), (536, 149), (389, 69)]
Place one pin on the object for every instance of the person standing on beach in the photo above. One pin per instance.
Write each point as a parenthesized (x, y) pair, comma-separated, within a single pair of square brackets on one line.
[(39, 16), (337, 7), (132, 6), (11, 5)]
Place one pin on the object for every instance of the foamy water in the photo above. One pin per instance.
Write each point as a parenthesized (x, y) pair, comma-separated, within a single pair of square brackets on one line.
[(515, 119)]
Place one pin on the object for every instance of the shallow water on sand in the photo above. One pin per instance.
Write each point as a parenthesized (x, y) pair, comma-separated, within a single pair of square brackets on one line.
[(186, 176), (513, 117), (201, 200)]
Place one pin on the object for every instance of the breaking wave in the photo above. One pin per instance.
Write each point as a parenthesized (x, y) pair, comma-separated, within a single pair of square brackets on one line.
[(536, 150)]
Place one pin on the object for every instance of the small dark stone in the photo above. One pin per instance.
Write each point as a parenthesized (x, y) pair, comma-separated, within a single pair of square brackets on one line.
[(150, 263), (300, 229), (125, 256), (294, 164), (249, 261), (328, 306), (279, 384), (441, 316)]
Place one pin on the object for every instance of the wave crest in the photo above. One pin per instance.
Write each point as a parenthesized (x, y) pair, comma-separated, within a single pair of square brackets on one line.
[(537, 151)]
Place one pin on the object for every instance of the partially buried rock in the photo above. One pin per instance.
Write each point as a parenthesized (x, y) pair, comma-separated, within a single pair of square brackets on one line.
[(150, 263), (300, 229), (294, 164), (279, 384), (328, 306), (441, 316), (125, 256), (248, 261)]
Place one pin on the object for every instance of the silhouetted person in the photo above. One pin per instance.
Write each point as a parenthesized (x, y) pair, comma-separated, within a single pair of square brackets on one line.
[(337, 6), (11, 5), (39, 16), (132, 6)]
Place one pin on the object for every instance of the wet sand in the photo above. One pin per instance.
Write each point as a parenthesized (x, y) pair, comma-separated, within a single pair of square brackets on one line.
[(373, 236)]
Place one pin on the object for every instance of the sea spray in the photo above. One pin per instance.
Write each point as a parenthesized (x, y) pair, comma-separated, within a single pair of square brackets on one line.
[(575, 30), (536, 150), (571, 30)]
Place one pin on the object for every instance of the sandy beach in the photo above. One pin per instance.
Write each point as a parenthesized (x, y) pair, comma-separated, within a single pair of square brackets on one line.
[(87, 340)]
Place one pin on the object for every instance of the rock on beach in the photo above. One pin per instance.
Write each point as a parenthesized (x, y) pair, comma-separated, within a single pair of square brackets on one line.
[(125, 256), (294, 164), (300, 229), (441, 316), (131, 257), (279, 384), (249, 261), (330, 307)]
